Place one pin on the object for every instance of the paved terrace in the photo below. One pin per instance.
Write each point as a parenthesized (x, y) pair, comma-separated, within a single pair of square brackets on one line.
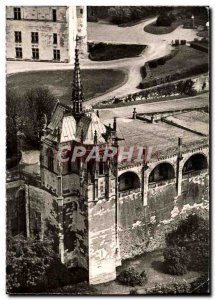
[(162, 137), (198, 101)]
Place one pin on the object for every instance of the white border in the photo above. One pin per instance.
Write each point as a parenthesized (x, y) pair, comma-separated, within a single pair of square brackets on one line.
[(2, 103)]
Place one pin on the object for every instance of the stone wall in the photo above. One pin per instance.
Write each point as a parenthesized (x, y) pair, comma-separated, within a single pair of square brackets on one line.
[(102, 241), (69, 23), (201, 84), (38, 19), (143, 229), (75, 230), (45, 45)]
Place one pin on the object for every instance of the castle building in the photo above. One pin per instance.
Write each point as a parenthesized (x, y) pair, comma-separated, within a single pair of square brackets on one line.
[(45, 33), (100, 213)]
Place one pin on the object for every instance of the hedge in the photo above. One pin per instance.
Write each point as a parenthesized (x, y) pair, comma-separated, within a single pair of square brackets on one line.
[(200, 47), (196, 70)]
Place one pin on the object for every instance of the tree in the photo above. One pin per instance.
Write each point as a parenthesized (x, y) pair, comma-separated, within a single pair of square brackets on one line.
[(27, 263), (188, 245), (34, 267), (39, 102), (14, 111), (164, 20)]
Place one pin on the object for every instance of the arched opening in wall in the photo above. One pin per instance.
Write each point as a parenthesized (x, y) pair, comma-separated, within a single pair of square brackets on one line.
[(128, 181), (162, 172), (18, 220), (195, 163), (50, 158)]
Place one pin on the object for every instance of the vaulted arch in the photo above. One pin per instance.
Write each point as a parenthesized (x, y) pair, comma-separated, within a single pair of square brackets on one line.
[(161, 172), (196, 162), (128, 181)]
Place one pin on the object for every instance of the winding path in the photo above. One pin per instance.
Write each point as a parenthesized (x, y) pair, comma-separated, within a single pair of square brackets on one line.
[(157, 46)]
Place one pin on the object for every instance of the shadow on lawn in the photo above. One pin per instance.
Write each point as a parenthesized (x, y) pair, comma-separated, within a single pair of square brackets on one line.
[(158, 266)]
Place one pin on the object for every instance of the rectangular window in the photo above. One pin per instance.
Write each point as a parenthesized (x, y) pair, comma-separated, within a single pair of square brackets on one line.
[(81, 11), (56, 54), (17, 13), (55, 38), (18, 37), (18, 52), (34, 38), (54, 15), (35, 53)]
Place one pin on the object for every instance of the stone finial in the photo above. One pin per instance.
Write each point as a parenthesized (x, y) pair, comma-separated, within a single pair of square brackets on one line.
[(77, 93), (114, 124), (82, 136)]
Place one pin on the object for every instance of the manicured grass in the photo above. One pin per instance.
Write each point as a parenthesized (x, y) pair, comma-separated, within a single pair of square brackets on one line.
[(152, 28), (95, 82), (105, 52), (185, 59)]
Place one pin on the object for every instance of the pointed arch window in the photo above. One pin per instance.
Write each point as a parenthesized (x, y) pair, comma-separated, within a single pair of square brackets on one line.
[(50, 158)]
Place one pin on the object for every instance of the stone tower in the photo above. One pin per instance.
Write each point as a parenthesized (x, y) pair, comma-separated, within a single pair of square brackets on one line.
[(85, 189), (77, 30)]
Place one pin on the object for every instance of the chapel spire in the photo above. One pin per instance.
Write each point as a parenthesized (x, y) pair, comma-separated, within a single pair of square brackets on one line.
[(77, 94)]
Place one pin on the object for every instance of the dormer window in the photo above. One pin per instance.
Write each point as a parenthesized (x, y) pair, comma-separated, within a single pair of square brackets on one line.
[(17, 13)]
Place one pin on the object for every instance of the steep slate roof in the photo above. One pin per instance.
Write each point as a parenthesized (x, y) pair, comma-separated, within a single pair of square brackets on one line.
[(88, 124), (57, 115), (68, 129)]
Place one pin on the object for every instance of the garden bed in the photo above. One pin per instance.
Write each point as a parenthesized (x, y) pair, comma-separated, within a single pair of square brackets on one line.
[(154, 29), (106, 52)]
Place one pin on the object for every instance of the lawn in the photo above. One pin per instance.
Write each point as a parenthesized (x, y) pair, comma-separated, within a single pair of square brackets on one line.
[(152, 263), (152, 28), (95, 82), (187, 62), (185, 59), (105, 52)]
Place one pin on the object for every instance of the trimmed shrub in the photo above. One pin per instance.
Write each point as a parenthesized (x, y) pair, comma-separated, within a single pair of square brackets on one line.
[(131, 277), (177, 42), (198, 46), (176, 260), (164, 20)]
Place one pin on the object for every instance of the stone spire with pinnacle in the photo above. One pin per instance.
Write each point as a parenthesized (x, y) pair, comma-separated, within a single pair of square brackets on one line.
[(77, 94)]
